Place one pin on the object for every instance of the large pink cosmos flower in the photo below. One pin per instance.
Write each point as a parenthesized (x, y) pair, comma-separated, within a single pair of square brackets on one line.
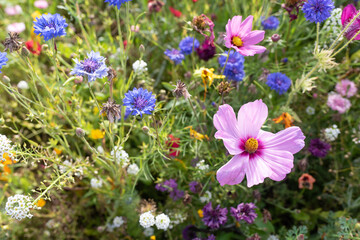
[(240, 37), (258, 154), (348, 13)]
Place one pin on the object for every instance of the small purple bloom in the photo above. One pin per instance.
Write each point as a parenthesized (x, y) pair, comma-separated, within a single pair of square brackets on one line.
[(206, 51), (214, 218), (175, 55), (278, 82), (319, 148), (170, 186), (186, 45), (116, 3), (160, 187), (271, 23), (211, 237), (195, 187), (244, 211), (176, 194), (189, 232)]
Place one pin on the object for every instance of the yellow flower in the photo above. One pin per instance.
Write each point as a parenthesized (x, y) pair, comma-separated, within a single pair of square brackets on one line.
[(57, 151), (153, 237), (41, 202), (285, 118), (200, 213), (34, 37), (197, 135), (96, 134), (207, 75)]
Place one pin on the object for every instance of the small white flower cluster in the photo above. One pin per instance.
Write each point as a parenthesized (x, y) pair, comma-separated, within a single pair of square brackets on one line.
[(66, 165), (202, 166), (121, 157), (331, 133), (332, 26), (356, 136), (23, 85), (96, 182), (176, 219), (206, 197), (310, 110), (133, 169), (18, 206), (147, 220), (117, 222), (6, 147), (139, 67), (273, 237)]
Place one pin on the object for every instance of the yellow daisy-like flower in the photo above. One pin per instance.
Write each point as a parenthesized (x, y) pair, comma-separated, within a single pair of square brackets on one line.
[(207, 75), (41, 202), (96, 134), (197, 135), (200, 213)]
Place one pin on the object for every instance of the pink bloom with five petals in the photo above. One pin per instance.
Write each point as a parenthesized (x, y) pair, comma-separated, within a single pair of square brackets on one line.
[(258, 154), (240, 37), (348, 13)]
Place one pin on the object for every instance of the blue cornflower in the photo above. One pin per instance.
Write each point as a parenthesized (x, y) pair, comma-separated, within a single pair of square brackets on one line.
[(234, 69), (271, 23), (116, 2), (318, 11), (93, 67), (139, 101), (278, 82), (3, 59), (174, 55), (186, 45), (50, 26)]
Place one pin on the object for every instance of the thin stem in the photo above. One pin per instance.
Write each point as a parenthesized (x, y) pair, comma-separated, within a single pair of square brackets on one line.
[(358, 32), (167, 115), (317, 38), (227, 59), (192, 106)]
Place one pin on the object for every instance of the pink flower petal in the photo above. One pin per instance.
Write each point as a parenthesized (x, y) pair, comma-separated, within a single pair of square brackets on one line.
[(348, 13), (233, 171), (235, 25), (246, 26), (257, 171), (290, 139), (280, 162), (253, 37), (251, 117), (251, 50)]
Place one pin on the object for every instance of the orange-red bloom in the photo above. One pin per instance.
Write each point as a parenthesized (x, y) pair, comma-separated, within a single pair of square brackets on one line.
[(306, 181), (173, 145), (175, 12), (286, 119)]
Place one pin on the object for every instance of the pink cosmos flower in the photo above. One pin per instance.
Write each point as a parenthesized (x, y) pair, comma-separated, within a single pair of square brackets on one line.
[(347, 15), (337, 103), (240, 37), (346, 88), (258, 154), (13, 10), (41, 4), (16, 27)]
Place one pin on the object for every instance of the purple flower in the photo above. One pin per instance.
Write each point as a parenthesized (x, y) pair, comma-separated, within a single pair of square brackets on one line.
[(176, 194), (213, 218), (50, 26), (317, 11), (93, 67), (211, 237), (195, 187), (271, 23), (189, 232), (188, 44), (175, 55), (346, 88), (244, 211), (337, 103), (319, 148), (206, 51), (139, 101), (160, 187), (170, 186)]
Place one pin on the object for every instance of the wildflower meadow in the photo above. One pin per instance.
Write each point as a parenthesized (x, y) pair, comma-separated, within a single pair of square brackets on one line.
[(192, 119)]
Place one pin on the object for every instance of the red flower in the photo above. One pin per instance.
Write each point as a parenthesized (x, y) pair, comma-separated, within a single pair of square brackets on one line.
[(33, 47), (125, 43), (194, 1), (173, 144), (175, 12)]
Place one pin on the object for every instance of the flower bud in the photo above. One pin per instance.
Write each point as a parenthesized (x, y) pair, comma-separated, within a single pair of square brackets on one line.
[(142, 48), (80, 132), (145, 129), (6, 79), (275, 37)]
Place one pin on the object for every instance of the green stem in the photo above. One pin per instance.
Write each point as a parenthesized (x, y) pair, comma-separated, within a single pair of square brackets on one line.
[(167, 115), (358, 32), (192, 106), (317, 38), (227, 59)]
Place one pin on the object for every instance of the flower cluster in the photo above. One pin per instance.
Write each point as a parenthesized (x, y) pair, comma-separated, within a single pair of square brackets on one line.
[(96, 182), (319, 148), (50, 26), (214, 218), (6, 149), (331, 133), (139, 102), (278, 82), (133, 169), (120, 156), (234, 68), (317, 11), (244, 211), (139, 67), (19, 206), (147, 219), (171, 187)]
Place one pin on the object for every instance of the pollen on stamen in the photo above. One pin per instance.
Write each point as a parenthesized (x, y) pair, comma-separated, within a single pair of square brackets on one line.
[(237, 41), (251, 145)]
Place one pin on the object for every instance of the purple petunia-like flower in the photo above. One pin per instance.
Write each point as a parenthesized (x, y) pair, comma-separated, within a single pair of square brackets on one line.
[(116, 3), (3, 60), (139, 101), (278, 82), (50, 26), (244, 211), (214, 218), (188, 44), (270, 23), (93, 67), (317, 11), (319, 148), (175, 55)]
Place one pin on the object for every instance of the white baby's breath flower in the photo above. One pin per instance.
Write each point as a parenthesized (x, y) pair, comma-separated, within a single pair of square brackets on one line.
[(121, 157), (162, 221), (202, 165), (140, 67), (310, 110), (118, 221), (100, 149), (206, 197), (23, 85), (6, 149), (147, 219), (96, 182), (133, 169), (18, 206), (331, 133), (64, 166)]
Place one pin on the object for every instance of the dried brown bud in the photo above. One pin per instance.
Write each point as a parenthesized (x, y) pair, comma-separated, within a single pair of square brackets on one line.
[(224, 88), (12, 43), (187, 198), (199, 23), (112, 110), (80, 132), (111, 74), (147, 205), (266, 216), (303, 164), (180, 90)]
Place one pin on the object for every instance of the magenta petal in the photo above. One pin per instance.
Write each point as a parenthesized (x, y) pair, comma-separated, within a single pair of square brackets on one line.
[(280, 162), (290, 139), (245, 26), (257, 171), (233, 172), (348, 13), (251, 50), (235, 25), (253, 37), (251, 117)]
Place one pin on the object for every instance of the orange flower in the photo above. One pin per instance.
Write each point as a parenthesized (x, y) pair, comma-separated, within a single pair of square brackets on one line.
[(200, 213), (306, 181), (97, 134), (285, 118), (153, 237), (8, 161), (197, 135), (57, 151), (41, 202)]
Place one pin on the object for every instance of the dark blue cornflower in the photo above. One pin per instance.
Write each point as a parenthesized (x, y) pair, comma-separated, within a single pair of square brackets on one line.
[(317, 11), (3, 59), (271, 23), (116, 2), (278, 82), (186, 45), (175, 55), (139, 101), (50, 26), (214, 218), (93, 67), (234, 69)]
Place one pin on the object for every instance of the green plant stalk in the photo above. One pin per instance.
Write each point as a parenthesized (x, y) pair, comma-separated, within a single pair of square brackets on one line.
[(197, 118), (317, 38), (167, 115), (358, 32)]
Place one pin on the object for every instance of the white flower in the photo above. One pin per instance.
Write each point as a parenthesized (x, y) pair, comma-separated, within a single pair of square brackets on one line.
[(140, 67), (6, 147), (133, 169), (19, 206), (118, 221), (110, 227), (148, 232), (100, 149), (162, 221), (23, 85), (176, 219), (147, 219), (17, 27), (310, 110), (96, 183), (331, 133), (65, 166), (273, 237), (202, 166), (121, 157), (206, 197)]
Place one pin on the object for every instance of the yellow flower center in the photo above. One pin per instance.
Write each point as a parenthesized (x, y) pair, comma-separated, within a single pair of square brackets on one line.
[(251, 145), (237, 41)]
